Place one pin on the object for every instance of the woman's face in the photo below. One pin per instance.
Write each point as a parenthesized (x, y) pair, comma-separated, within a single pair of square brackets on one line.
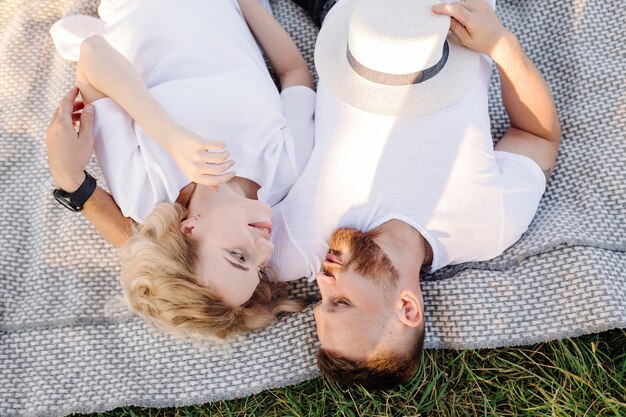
[(233, 235)]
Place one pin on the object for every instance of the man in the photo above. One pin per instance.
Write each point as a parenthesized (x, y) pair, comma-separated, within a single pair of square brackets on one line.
[(404, 176)]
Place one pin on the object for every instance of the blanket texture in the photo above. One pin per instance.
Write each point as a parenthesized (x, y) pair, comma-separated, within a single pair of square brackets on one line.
[(65, 347)]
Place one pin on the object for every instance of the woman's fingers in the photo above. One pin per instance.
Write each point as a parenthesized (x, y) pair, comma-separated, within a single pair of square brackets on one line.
[(66, 104), (213, 145), (86, 123), (215, 169), (215, 180), (213, 157), (77, 105)]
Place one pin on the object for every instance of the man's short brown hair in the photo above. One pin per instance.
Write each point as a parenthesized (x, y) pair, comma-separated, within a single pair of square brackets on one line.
[(384, 371)]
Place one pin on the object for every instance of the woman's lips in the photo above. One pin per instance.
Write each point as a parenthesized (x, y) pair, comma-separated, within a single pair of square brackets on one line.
[(265, 227)]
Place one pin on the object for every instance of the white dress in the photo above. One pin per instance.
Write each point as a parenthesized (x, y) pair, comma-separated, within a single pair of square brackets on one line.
[(200, 61)]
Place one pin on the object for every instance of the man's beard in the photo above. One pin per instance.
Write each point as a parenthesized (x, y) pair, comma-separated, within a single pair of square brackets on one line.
[(359, 251)]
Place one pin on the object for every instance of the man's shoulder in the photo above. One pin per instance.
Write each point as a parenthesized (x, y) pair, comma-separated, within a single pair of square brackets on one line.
[(289, 261)]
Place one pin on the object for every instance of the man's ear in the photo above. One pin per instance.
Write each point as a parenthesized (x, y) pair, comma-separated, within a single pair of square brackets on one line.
[(410, 311), (186, 226)]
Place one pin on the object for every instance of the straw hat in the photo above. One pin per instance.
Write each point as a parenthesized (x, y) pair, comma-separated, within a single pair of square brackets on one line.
[(393, 57)]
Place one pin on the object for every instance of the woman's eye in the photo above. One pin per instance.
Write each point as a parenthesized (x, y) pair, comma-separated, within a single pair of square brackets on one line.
[(239, 256), (342, 302)]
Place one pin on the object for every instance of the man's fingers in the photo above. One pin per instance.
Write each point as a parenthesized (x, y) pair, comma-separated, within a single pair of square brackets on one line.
[(86, 123), (459, 30), (456, 11)]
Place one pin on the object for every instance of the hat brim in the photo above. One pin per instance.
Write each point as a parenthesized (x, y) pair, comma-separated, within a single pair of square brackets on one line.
[(442, 90)]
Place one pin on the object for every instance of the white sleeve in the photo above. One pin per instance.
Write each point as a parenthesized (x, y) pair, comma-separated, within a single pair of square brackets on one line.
[(288, 263), (121, 160), (69, 33), (299, 111), (523, 184)]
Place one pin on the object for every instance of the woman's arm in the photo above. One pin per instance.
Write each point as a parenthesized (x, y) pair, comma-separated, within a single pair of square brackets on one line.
[(104, 72), (68, 154), (535, 129), (105, 215), (282, 52)]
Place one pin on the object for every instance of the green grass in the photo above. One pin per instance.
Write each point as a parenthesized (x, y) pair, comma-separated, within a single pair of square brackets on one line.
[(585, 376)]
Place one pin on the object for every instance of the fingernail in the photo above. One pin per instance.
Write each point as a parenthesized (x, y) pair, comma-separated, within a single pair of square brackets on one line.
[(89, 108)]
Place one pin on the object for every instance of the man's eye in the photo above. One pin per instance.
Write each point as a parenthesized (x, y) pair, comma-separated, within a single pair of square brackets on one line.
[(239, 256)]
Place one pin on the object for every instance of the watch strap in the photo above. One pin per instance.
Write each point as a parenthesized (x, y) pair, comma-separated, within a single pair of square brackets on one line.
[(75, 201)]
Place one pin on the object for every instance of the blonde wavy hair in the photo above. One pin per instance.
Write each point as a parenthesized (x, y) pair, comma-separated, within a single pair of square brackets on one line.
[(160, 284)]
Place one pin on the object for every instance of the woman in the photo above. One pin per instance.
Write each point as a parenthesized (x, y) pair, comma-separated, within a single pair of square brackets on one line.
[(196, 267)]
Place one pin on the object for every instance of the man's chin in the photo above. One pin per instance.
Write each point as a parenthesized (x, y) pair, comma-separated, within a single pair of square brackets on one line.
[(342, 240)]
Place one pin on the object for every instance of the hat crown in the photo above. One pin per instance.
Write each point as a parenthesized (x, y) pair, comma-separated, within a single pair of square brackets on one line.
[(397, 36)]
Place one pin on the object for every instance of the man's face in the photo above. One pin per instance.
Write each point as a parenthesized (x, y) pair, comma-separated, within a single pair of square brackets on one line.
[(355, 317)]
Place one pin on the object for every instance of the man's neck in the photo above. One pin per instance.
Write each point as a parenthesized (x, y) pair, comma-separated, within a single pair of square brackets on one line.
[(399, 239)]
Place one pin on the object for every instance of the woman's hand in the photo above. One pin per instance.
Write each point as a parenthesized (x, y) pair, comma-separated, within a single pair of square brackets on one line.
[(475, 24), (202, 161), (69, 151)]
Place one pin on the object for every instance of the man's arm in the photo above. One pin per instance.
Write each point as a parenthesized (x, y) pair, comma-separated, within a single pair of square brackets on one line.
[(103, 72), (282, 52), (68, 154), (535, 130)]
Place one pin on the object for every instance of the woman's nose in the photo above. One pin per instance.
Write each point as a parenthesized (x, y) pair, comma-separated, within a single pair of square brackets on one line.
[(265, 249)]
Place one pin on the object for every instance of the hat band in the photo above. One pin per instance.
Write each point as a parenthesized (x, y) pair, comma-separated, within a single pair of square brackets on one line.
[(398, 79)]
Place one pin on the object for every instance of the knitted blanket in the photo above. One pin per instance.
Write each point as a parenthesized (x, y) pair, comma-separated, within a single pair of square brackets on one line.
[(66, 346)]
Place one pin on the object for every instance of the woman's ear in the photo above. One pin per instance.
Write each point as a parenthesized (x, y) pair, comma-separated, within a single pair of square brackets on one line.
[(410, 311), (187, 225)]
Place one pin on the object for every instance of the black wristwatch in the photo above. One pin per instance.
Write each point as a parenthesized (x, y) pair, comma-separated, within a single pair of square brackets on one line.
[(74, 201)]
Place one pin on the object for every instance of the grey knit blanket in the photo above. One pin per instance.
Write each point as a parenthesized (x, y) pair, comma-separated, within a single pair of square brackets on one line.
[(66, 345)]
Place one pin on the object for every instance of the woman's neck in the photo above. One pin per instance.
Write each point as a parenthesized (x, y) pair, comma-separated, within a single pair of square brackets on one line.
[(243, 187), (240, 186)]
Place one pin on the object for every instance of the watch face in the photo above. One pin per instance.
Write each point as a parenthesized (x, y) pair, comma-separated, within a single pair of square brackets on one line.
[(65, 201)]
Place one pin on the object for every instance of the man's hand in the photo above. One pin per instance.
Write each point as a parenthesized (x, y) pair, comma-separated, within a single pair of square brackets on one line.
[(535, 130), (69, 151), (202, 161), (475, 24)]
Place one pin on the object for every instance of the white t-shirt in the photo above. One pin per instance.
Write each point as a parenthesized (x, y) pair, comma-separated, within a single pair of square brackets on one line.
[(437, 172), (201, 62)]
